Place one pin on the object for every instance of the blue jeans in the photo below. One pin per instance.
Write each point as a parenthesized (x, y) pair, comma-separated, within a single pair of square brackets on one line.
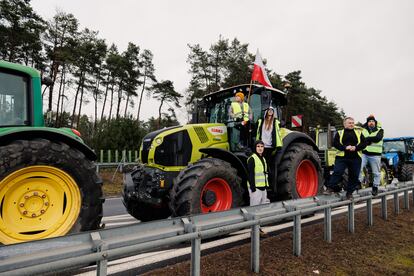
[(375, 163), (341, 164)]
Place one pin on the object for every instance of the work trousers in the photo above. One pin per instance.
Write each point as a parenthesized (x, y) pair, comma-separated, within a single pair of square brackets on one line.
[(258, 197), (341, 164), (374, 162)]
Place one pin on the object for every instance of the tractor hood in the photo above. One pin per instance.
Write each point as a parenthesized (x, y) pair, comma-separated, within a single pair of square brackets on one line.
[(392, 158), (175, 147)]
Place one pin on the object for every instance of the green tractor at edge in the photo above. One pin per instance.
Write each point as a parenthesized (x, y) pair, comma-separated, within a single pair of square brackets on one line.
[(199, 168), (48, 183)]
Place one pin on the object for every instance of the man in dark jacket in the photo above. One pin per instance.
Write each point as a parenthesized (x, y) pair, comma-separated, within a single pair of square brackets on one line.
[(349, 143), (371, 155)]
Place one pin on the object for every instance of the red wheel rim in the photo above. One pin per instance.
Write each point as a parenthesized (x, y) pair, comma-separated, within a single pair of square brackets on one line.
[(306, 179), (223, 195)]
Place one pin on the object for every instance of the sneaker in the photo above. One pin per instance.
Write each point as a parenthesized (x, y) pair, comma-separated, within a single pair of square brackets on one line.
[(329, 191), (374, 191), (349, 196)]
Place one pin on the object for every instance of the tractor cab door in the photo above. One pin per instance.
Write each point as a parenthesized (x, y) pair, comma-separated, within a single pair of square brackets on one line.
[(13, 99)]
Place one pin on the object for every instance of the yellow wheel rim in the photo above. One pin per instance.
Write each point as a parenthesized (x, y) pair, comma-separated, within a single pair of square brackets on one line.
[(384, 179), (365, 180), (37, 202)]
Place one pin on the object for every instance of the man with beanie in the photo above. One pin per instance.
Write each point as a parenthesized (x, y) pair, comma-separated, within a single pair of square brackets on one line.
[(349, 143), (371, 155), (241, 112)]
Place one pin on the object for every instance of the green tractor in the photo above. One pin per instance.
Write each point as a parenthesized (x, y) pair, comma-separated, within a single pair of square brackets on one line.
[(48, 183), (199, 168)]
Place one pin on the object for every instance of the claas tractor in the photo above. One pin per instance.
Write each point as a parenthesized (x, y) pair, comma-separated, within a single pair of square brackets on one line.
[(199, 167), (48, 183)]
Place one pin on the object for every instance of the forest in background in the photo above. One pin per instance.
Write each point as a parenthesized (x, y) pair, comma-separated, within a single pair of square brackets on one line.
[(86, 69)]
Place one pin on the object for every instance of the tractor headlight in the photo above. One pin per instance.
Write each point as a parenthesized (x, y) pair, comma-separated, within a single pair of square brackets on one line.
[(158, 141), (391, 162)]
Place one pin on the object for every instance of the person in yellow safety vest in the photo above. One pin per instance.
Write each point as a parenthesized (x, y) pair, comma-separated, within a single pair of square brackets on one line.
[(268, 131), (241, 112), (258, 180), (349, 143), (371, 155)]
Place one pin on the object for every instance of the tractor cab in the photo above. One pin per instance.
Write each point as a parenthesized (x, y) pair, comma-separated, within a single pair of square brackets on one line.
[(215, 108)]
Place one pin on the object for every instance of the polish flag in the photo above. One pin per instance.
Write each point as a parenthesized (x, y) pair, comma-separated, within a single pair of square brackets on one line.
[(259, 72)]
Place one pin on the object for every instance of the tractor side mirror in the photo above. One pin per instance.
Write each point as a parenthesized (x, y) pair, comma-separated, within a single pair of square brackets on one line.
[(47, 81)]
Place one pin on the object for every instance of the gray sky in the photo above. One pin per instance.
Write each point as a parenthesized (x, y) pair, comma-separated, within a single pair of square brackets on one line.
[(359, 53)]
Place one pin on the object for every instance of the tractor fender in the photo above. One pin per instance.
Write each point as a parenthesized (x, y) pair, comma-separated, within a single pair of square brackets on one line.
[(294, 137), (229, 157), (30, 134)]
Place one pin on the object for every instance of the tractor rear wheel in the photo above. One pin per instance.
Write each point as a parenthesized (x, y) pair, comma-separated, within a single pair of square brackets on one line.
[(142, 211), (47, 189), (209, 185), (406, 173), (299, 172)]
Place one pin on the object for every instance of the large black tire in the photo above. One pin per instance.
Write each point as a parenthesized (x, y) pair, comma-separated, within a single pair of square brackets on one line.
[(188, 195), (140, 210), (297, 155), (406, 173), (52, 155)]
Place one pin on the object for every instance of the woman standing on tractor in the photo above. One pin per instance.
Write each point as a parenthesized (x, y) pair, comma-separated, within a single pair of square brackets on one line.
[(269, 132)]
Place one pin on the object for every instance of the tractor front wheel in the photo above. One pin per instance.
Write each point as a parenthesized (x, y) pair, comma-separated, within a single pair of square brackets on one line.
[(47, 189), (209, 185)]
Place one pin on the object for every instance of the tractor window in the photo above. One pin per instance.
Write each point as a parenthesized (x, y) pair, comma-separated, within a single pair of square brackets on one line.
[(13, 99), (219, 113), (394, 146), (256, 105)]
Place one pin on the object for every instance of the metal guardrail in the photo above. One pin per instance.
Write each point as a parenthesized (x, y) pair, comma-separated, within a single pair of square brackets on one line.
[(83, 249), (119, 166)]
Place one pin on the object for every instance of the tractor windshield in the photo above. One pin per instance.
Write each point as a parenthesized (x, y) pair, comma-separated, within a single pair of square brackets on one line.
[(13, 99), (394, 146), (220, 111)]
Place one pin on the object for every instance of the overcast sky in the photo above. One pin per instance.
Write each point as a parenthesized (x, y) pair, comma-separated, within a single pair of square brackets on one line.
[(360, 54)]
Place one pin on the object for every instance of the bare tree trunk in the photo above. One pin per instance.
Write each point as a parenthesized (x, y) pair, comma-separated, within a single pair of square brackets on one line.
[(106, 95), (159, 113), (80, 107), (62, 80), (119, 103), (96, 99), (140, 98), (126, 105), (112, 102), (76, 99)]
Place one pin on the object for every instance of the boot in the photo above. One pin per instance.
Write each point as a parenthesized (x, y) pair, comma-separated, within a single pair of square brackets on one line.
[(374, 190)]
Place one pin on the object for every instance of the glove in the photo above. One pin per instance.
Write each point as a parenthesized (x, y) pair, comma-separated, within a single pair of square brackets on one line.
[(253, 189)]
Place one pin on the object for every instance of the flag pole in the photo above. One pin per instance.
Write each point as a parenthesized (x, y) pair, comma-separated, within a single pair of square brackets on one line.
[(250, 92)]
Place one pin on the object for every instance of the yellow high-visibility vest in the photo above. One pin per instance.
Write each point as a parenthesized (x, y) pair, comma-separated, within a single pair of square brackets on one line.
[(238, 112), (279, 142), (341, 135), (260, 171), (374, 147)]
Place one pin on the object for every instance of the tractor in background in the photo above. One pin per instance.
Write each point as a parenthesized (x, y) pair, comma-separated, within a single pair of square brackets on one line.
[(399, 155), (199, 168), (48, 183)]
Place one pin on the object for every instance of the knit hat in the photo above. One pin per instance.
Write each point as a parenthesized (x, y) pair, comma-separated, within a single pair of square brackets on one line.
[(371, 117), (241, 95)]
